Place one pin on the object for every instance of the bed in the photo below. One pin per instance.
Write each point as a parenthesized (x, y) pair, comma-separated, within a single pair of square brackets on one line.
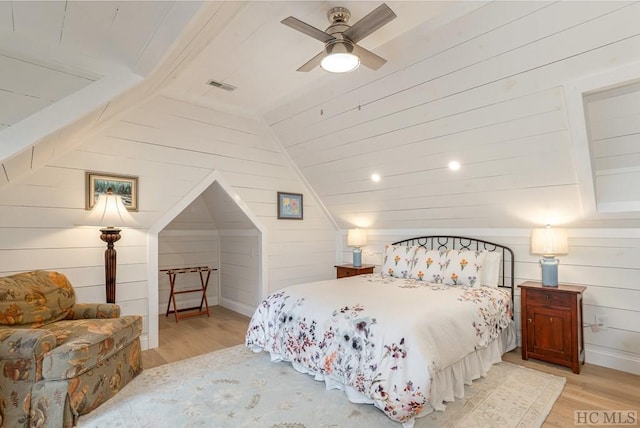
[(407, 339)]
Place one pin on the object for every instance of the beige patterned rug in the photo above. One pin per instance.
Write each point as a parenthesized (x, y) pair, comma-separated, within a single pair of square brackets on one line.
[(237, 388)]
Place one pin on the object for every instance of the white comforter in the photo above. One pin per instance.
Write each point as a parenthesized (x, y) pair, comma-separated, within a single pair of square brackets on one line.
[(384, 337)]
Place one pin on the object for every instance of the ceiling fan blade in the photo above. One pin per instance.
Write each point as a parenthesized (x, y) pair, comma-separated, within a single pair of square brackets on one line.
[(307, 29), (313, 62), (370, 23), (368, 58)]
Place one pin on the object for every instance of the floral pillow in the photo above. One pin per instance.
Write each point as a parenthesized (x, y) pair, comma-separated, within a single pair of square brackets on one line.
[(398, 260), (462, 267), (427, 265)]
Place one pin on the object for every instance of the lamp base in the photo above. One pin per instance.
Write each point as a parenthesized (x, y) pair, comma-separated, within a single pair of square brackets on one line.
[(110, 235), (549, 271), (357, 257)]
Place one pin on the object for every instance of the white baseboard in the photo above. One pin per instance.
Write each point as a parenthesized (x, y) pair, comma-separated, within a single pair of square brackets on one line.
[(612, 359), (238, 307), (607, 358), (144, 341)]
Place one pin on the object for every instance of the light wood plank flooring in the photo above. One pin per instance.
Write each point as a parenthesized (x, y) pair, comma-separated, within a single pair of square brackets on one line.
[(595, 388), (195, 336)]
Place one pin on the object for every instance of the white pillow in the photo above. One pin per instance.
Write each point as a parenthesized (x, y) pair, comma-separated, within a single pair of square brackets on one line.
[(462, 267), (397, 260), (427, 265), (491, 268)]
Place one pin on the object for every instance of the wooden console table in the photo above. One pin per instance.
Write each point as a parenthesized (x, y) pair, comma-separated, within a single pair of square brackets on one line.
[(204, 283)]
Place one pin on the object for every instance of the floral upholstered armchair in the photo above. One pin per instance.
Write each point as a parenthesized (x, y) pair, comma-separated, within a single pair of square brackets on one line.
[(60, 359)]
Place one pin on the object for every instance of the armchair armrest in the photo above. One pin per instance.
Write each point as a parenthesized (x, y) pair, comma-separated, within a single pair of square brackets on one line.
[(81, 311), (24, 343)]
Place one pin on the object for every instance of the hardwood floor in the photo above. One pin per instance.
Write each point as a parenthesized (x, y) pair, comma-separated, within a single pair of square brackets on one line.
[(595, 388), (195, 336)]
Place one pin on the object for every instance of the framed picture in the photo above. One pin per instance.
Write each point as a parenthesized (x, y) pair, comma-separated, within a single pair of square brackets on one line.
[(124, 185), (289, 206)]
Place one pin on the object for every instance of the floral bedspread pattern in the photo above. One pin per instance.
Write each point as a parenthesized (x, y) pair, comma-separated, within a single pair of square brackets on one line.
[(383, 337)]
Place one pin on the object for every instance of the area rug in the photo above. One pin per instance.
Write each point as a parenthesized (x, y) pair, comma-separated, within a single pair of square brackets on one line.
[(238, 388)]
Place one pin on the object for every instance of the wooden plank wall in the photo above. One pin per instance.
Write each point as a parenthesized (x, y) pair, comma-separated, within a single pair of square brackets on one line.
[(487, 90), (603, 260), (171, 146), (614, 133), (240, 270), (180, 248), (37, 238)]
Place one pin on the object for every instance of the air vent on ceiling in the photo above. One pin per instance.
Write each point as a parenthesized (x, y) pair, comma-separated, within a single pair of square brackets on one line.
[(221, 85)]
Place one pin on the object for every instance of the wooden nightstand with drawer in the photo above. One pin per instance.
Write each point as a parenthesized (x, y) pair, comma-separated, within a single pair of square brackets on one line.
[(344, 271), (552, 323)]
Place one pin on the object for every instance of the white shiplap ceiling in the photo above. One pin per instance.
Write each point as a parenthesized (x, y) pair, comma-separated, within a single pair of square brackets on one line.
[(51, 49), (259, 56), (56, 53), (62, 63)]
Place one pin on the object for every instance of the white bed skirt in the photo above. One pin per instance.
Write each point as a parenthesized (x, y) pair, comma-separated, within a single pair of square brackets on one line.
[(447, 384)]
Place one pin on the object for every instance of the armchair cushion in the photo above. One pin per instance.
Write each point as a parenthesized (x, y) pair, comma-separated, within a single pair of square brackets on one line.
[(35, 298), (83, 344)]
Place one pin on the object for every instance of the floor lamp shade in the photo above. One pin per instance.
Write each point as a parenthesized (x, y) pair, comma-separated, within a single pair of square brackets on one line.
[(548, 243), (110, 212), (356, 238)]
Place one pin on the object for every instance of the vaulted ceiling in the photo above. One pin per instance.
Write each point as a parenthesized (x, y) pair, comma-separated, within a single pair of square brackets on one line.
[(61, 60), (465, 79)]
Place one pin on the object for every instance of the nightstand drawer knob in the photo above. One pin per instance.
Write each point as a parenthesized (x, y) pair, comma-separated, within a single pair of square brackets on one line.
[(529, 320), (546, 296)]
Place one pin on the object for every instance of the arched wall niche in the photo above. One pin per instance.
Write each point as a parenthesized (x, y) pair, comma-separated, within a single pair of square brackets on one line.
[(230, 220)]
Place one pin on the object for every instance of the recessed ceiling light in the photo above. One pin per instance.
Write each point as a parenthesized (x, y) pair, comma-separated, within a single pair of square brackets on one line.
[(375, 177), (454, 165)]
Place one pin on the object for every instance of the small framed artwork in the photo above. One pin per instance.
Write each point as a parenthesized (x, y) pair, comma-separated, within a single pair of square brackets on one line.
[(124, 185), (289, 206)]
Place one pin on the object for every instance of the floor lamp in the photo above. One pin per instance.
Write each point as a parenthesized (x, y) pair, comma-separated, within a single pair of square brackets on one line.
[(109, 211)]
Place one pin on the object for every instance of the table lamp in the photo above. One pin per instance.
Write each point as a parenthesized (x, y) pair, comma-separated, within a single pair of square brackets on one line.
[(548, 243), (356, 238)]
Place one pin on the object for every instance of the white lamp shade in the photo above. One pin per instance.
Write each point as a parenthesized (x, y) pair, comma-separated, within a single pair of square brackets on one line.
[(356, 238), (109, 211), (549, 241)]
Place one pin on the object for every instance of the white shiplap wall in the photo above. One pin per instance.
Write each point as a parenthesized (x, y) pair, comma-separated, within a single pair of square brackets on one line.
[(614, 140), (187, 248), (486, 89), (240, 270), (171, 146), (605, 260)]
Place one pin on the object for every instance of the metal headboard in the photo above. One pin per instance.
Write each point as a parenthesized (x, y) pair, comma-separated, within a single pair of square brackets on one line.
[(462, 243)]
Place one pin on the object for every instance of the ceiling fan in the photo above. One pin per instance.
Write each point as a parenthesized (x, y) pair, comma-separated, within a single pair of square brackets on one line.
[(341, 53)]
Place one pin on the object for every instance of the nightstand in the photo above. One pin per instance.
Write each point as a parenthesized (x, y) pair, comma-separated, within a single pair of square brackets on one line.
[(344, 271), (552, 324)]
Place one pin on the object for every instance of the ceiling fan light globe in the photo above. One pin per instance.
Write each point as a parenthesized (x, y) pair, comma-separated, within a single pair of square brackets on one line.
[(340, 62)]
